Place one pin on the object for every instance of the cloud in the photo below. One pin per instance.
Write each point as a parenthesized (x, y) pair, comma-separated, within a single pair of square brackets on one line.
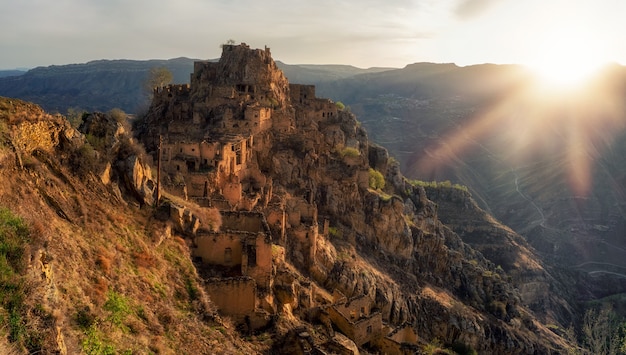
[(468, 9)]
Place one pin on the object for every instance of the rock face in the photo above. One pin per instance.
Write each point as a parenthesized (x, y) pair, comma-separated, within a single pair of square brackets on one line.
[(241, 138), (507, 249), (120, 159)]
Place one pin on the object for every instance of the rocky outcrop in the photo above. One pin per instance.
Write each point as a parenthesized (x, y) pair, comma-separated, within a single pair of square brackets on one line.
[(120, 162)]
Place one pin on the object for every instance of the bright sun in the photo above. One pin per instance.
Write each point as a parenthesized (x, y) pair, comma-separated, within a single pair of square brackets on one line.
[(566, 59)]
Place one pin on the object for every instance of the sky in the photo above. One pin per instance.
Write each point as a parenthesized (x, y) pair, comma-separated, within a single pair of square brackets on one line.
[(364, 33)]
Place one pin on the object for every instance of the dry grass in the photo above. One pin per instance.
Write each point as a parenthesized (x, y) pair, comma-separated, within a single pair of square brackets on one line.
[(103, 246), (144, 260), (103, 261)]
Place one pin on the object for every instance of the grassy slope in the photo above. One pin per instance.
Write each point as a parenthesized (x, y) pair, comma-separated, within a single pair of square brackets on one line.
[(102, 276)]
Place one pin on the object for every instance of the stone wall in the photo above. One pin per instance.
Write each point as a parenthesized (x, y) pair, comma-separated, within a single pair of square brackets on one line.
[(234, 297), (252, 222), (361, 331), (224, 249)]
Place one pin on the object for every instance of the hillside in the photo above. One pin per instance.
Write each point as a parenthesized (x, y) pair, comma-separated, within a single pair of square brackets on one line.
[(486, 128), (91, 272), (325, 242)]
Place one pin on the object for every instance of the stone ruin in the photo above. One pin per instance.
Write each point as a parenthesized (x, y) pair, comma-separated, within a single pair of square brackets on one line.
[(213, 136)]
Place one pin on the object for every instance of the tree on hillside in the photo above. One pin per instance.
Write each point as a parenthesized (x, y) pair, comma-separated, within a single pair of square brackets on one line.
[(230, 42), (157, 77), (602, 332)]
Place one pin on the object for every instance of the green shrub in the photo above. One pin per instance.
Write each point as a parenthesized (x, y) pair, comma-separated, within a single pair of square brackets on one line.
[(439, 184), (349, 152), (94, 344), (192, 290), (335, 232), (85, 160), (118, 307), (340, 105), (85, 318), (376, 179), (118, 115)]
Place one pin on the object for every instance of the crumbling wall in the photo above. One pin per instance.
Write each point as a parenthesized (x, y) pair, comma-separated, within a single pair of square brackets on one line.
[(223, 249), (252, 222), (260, 269), (234, 297)]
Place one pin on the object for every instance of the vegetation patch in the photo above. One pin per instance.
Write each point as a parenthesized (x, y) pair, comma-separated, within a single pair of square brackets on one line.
[(439, 184), (349, 152), (94, 343), (14, 236), (376, 180), (335, 232), (117, 306)]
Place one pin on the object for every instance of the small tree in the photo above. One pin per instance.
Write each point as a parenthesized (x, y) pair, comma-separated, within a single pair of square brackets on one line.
[(118, 115), (158, 77), (601, 331), (229, 42), (376, 179)]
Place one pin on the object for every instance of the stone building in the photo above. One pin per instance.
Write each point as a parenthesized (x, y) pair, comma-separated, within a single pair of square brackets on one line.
[(242, 247), (357, 319), (215, 135)]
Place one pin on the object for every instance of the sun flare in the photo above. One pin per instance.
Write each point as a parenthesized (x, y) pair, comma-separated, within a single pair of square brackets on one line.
[(566, 59)]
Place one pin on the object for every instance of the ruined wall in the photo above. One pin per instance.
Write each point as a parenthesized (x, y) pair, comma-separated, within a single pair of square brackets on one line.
[(301, 93), (258, 117), (302, 244), (355, 308), (197, 184), (234, 297), (171, 92), (405, 334), (401, 341), (252, 222), (276, 220), (360, 331), (260, 269), (223, 249)]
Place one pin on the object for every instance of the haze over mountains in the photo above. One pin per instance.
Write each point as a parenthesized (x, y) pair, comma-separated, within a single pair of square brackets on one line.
[(105, 84)]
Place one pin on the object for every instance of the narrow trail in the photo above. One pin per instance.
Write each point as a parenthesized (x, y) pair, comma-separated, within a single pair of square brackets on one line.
[(598, 273), (598, 263), (542, 220)]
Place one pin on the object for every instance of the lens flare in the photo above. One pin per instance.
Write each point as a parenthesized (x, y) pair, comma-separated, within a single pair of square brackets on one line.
[(532, 123)]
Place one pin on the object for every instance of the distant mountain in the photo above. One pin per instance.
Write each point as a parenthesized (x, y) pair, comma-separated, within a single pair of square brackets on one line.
[(94, 86), (316, 74), (105, 84), (15, 72)]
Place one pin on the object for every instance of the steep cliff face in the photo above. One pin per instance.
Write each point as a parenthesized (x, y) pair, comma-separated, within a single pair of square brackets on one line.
[(548, 297), (345, 217)]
